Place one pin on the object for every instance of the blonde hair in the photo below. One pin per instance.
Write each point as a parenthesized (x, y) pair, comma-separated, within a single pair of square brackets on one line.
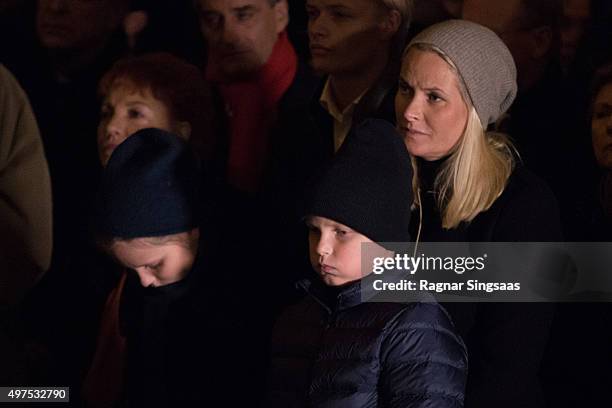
[(477, 170), (404, 7)]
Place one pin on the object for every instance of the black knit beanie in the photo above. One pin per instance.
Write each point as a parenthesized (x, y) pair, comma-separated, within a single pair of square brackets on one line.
[(368, 184), (149, 187)]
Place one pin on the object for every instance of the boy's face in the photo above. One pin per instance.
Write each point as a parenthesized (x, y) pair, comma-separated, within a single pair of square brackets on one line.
[(126, 110), (335, 251), (156, 264)]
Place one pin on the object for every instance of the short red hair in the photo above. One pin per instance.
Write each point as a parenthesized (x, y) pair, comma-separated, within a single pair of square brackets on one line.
[(180, 86)]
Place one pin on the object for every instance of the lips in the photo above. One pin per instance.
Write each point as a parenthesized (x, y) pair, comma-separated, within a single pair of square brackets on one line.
[(327, 269), (413, 132), (51, 28), (233, 53), (108, 149), (316, 49)]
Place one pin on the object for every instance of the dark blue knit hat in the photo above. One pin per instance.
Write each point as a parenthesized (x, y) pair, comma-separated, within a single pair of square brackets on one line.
[(149, 187), (368, 184)]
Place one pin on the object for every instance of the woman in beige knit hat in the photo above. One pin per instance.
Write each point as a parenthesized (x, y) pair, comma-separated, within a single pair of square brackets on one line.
[(457, 78)]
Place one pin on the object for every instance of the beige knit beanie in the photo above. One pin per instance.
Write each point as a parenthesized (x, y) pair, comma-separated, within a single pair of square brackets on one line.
[(483, 61)]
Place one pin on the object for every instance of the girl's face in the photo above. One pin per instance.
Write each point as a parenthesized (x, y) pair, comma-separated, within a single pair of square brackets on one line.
[(431, 113), (126, 110), (335, 251), (344, 34), (601, 127), (155, 264)]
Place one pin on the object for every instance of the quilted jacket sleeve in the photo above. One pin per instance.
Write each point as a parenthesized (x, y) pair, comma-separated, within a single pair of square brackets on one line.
[(423, 360)]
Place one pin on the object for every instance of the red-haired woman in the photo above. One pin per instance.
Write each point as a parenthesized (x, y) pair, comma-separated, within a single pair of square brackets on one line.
[(154, 90)]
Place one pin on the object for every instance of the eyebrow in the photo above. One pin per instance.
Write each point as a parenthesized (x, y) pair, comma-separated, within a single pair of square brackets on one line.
[(150, 263), (329, 6), (131, 103), (435, 89), (403, 80), (340, 8), (248, 7), (336, 5), (335, 224), (432, 88)]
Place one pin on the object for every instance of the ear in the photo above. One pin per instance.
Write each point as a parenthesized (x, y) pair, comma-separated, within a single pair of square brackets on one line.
[(183, 129), (281, 12), (542, 38), (193, 237), (194, 234), (391, 24)]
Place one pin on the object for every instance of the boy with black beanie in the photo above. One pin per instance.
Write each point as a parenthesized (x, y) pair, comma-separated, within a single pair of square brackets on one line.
[(335, 349)]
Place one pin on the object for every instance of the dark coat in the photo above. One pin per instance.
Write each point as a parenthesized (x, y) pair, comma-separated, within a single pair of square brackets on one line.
[(333, 350), (287, 137), (589, 220), (184, 342), (526, 211), (542, 122), (377, 103), (579, 353), (257, 224), (576, 368), (505, 341)]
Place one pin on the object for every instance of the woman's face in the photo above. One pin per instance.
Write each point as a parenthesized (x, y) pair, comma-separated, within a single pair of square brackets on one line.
[(601, 127), (344, 34), (126, 110), (431, 113), (155, 264)]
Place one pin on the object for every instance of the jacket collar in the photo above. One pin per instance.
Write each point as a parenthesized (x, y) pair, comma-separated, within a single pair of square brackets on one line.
[(333, 299)]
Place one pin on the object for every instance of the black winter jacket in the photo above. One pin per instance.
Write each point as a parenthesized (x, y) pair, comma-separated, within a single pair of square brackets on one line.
[(333, 350), (185, 340), (505, 341)]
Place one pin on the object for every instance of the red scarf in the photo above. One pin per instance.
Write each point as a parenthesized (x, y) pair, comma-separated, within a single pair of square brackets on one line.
[(252, 107), (103, 384)]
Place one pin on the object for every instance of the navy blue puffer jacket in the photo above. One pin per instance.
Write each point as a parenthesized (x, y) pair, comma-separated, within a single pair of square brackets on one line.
[(333, 350)]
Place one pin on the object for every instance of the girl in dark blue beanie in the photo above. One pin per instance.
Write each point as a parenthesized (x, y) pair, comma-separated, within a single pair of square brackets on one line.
[(172, 331)]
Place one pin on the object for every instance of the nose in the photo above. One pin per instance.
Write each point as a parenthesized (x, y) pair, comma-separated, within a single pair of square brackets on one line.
[(412, 110), (114, 129), (229, 33), (324, 246), (146, 278), (317, 27)]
